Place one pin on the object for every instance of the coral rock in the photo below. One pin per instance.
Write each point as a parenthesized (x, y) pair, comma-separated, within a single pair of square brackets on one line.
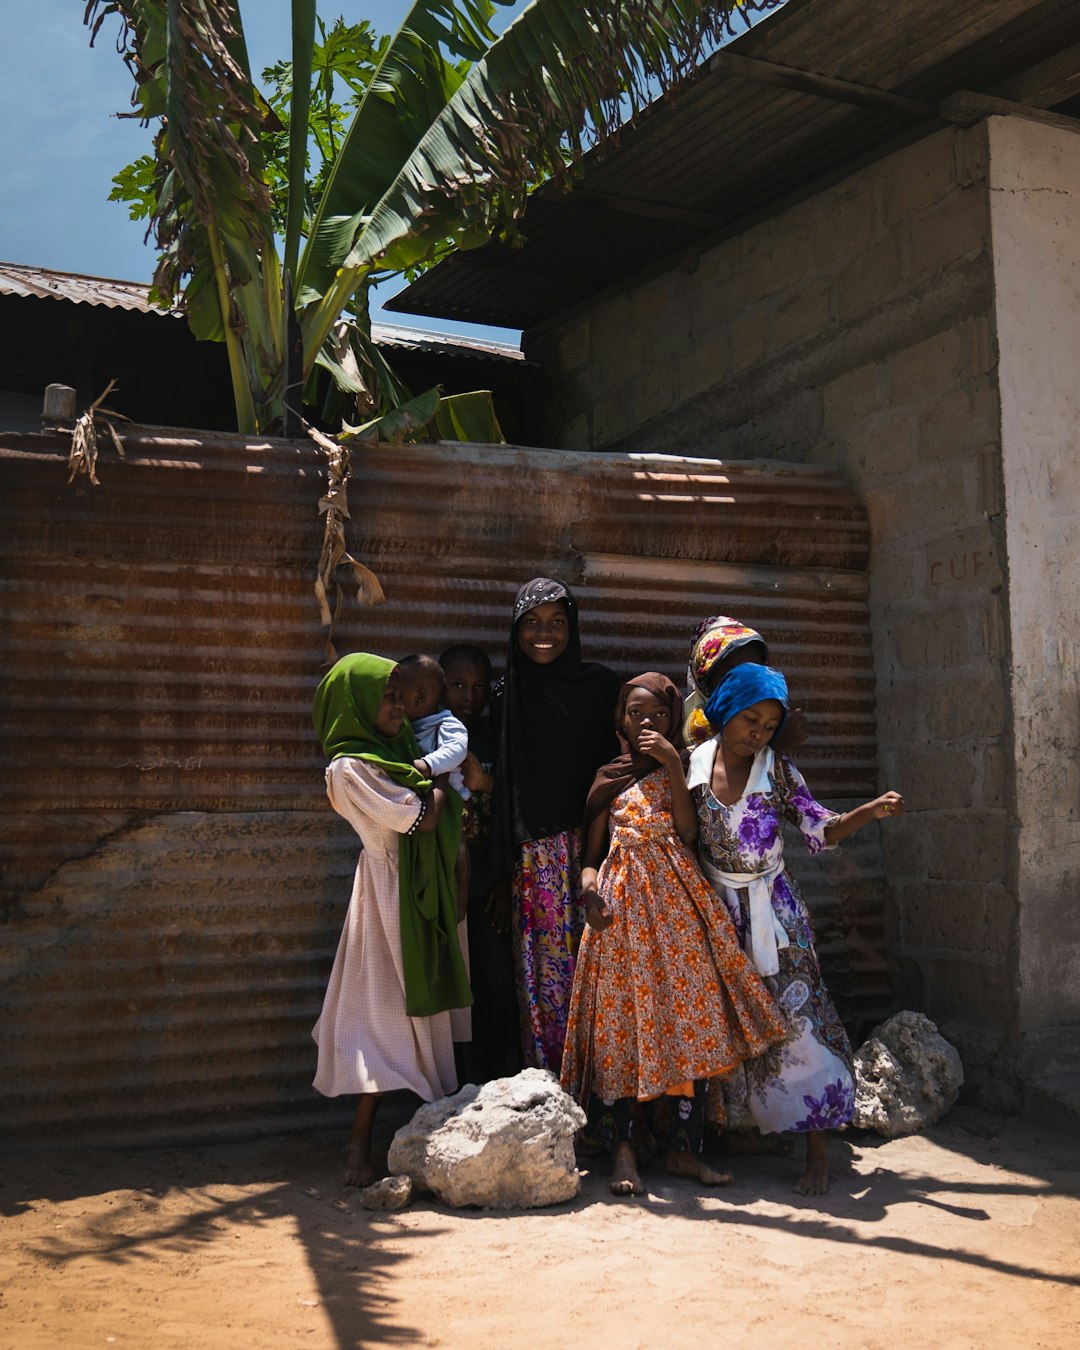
[(506, 1145), (907, 1076), (388, 1193)]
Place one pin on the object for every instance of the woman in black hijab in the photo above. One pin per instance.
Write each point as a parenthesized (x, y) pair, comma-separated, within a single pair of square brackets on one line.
[(553, 713)]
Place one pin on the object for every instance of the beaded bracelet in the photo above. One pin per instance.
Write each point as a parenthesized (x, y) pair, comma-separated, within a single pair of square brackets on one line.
[(416, 823)]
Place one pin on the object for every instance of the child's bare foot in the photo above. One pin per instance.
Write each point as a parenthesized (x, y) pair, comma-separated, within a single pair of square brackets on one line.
[(359, 1169), (624, 1174), (694, 1166), (752, 1143), (815, 1177)]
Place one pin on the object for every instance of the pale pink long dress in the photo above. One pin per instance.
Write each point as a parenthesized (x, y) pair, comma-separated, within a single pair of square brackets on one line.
[(366, 1040)]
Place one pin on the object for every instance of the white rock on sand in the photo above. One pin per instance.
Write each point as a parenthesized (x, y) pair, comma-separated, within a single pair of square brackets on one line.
[(387, 1193), (506, 1145), (907, 1076)]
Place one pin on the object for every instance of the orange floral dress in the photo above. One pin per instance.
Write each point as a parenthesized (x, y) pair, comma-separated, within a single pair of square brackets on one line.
[(664, 996)]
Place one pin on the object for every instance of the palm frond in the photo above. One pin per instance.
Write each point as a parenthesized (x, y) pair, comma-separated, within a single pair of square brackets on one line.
[(563, 76), (469, 417)]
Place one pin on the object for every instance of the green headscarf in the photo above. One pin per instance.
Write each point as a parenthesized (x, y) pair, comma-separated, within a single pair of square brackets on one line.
[(345, 712)]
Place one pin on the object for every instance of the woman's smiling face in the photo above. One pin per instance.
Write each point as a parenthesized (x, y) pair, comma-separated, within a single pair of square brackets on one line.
[(391, 712), (544, 632)]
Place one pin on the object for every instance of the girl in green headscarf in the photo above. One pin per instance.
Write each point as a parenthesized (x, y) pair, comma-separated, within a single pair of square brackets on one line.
[(385, 1022)]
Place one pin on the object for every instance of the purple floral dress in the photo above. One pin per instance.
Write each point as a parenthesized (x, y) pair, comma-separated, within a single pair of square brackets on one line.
[(548, 919), (806, 1082)]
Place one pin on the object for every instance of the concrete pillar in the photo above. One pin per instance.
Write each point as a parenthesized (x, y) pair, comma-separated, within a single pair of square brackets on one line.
[(1034, 179)]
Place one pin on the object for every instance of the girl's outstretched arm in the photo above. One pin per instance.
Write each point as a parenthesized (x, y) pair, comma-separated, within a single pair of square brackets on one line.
[(889, 804), (682, 804), (597, 914)]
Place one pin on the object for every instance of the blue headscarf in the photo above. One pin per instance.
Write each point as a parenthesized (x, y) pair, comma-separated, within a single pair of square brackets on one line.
[(742, 688)]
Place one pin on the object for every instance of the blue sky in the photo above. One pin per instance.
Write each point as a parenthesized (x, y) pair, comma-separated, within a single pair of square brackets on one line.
[(62, 141)]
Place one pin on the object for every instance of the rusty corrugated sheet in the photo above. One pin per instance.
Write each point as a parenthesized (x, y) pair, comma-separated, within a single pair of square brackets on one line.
[(174, 879)]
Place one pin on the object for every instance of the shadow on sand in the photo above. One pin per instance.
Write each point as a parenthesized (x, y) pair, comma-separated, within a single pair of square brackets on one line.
[(297, 1177)]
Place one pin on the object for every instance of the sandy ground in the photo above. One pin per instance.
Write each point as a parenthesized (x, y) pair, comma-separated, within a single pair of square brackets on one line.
[(966, 1236)]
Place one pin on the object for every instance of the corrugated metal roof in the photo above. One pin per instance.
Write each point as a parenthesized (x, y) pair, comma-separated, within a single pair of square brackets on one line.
[(725, 148), (442, 344), (174, 880), (42, 283)]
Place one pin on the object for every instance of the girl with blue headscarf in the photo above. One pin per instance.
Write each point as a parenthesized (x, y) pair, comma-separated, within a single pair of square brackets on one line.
[(744, 792)]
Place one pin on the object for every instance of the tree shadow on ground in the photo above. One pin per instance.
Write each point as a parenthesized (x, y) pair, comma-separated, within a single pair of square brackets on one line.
[(293, 1178), (356, 1260), (1033, 1162)]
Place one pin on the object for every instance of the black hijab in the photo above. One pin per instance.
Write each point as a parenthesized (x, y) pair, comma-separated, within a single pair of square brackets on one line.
[(554, 725)]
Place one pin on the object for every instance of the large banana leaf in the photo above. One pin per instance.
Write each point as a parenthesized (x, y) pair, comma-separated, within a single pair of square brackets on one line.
[(399, 424), (410, 88), (563, 74), (303, 44), (469, 417)]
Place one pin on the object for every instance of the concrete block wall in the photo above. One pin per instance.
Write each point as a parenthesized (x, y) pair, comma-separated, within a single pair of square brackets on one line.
[(856, 329), (1035, 226)]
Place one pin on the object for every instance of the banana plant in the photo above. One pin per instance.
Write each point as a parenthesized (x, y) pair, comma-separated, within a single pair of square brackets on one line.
[(454, 128), (211, 214)]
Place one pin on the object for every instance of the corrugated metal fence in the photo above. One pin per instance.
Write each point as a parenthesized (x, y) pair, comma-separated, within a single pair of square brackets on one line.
[(174, 881)]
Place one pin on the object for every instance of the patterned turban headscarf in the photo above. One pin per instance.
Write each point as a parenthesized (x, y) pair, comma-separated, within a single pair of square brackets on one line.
[(714, 638)]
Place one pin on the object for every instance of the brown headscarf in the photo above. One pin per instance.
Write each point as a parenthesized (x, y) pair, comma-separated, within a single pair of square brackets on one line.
[(630, 766)]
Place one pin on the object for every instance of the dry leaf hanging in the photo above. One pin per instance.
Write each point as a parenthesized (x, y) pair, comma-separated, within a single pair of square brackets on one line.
[(335, 505), (82, 458)]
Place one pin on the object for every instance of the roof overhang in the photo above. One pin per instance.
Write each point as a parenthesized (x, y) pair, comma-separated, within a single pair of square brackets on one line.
[(805, 98), (41, 283)]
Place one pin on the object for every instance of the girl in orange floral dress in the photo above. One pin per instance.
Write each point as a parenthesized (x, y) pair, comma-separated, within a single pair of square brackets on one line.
[(663, 997)]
